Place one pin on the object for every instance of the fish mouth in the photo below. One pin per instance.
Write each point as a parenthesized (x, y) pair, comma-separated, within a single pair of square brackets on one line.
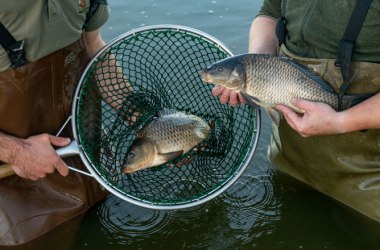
[(205, 76), (129, 170)]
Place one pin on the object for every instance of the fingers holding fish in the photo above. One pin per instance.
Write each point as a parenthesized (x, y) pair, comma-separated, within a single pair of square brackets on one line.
[(290, 116), (318, 118), (228, 96)]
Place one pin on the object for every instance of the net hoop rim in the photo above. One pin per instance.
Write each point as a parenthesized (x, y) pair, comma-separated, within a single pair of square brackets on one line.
[(140, 202)]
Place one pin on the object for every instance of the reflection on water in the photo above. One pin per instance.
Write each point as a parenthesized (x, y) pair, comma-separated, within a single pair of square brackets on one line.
[(252, 202), (246, 211), (120, 222), (252, 208)]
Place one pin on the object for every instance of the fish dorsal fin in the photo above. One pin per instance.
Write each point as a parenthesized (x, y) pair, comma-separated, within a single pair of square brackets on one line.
[(308, 72), (167, 111)]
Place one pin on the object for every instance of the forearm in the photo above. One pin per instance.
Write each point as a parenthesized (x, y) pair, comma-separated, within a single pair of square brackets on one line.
[(33, 157), (94, 42), (262, 36), (9, 145), (365, 115), (112, 83)]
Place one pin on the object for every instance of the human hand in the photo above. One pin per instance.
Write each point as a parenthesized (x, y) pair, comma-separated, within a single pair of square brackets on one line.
[(36, 157), (228, 96), (318, 118)]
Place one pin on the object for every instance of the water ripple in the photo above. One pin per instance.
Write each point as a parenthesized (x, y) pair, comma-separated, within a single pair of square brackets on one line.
[(122, 220), (246, 211), (252, 205), (250, 191)]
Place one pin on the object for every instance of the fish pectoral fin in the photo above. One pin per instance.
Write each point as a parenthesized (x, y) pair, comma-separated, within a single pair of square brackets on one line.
[(170, 156), (274, 115), (250, 100)]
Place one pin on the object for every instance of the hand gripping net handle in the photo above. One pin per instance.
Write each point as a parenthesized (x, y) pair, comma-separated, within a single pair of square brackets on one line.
[(158, 67)]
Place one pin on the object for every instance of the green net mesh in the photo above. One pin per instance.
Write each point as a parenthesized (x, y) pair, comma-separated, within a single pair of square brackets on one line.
[(159, 68)]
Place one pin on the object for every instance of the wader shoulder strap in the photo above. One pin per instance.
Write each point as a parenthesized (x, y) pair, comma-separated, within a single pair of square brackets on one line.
[(15, 49), (347, 44), (281, 25)]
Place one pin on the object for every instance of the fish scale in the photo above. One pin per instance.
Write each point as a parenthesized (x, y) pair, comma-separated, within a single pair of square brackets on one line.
[(288, 80)]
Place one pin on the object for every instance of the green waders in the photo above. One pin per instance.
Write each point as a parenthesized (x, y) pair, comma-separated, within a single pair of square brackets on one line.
[(345, 167)]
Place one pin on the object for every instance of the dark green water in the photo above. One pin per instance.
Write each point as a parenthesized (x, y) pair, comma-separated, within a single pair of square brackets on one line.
[(262, 210)]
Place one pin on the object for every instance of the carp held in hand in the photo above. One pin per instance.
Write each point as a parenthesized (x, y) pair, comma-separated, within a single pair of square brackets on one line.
[(267, 80), (169, 135)]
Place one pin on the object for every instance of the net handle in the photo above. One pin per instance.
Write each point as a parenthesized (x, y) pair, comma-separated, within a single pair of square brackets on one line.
[(6, 170), (70, 150)]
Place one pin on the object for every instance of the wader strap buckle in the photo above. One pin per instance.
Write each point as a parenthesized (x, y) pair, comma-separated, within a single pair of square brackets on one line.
[(16, 54), (15, 49)]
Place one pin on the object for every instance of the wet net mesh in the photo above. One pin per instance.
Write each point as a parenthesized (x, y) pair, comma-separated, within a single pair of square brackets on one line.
[(140, 74)]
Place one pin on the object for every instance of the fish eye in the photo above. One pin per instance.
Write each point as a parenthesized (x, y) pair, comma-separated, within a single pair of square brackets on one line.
[(131, 155), (220, 69)]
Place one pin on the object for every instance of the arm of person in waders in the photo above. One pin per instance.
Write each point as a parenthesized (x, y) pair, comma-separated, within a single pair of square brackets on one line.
[(113, 84), (262, 40), (321, 119), (34, 157)]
